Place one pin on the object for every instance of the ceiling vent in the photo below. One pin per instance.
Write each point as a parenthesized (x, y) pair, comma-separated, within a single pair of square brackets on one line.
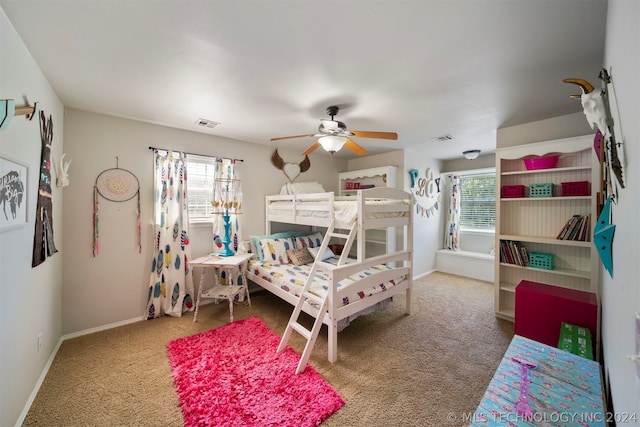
[(442, 138), (206, 123)]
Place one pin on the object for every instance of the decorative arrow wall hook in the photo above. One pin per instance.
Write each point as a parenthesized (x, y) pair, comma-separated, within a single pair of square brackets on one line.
[(8, 110)]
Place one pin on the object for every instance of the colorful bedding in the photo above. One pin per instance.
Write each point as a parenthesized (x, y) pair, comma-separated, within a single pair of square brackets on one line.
[(291, 278)]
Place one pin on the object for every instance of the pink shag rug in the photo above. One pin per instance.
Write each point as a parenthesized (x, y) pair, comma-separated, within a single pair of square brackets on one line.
[(232, 376)]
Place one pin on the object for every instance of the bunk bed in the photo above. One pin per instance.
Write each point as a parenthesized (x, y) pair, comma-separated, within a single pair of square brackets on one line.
[(351, 286)]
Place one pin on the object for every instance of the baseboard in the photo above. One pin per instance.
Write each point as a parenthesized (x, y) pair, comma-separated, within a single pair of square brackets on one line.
[(34, 393), (420, 276), (475, 265), (101, 328), (47, 366)]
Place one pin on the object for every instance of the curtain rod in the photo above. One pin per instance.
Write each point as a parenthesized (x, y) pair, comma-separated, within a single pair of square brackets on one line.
[(196, 154)]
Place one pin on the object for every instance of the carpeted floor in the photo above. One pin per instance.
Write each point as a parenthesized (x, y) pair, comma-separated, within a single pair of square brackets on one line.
[(427, 369)]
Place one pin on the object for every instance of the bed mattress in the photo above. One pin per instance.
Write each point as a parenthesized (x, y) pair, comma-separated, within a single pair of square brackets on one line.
[(291, 278), (345, 211)]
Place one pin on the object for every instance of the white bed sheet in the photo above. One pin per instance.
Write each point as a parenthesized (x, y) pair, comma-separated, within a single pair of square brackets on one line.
[(345, 211)]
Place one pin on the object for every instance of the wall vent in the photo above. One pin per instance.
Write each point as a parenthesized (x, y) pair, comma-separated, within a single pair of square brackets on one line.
[(443, 138), (206, 123)]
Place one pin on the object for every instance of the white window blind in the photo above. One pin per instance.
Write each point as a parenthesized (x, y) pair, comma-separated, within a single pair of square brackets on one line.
[(478, 201), (200, 176)]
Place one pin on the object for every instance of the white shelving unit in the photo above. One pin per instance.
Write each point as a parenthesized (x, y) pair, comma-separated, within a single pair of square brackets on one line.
[(536, 221), (378, 242)]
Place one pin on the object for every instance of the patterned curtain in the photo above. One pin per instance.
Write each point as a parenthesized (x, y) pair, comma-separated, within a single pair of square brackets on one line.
[(226, 169), (171, 283), (452, 228)]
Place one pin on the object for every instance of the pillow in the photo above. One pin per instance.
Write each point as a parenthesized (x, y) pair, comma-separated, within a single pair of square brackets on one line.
[(328, 253), (309, 241), (302, 188), (256, 248), (275, 250), (300, 256), (336, 248)]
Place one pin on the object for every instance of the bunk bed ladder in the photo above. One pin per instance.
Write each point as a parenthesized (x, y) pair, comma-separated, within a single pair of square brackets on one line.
[(320, 303)]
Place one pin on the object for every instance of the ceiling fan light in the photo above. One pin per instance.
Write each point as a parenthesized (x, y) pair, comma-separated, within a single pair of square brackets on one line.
[(332, 143), (471, 154)]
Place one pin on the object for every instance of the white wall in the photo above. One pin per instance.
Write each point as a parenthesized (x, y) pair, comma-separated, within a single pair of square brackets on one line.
[(112, 287), (31, 301), (621, 294), (427, 230), (549, 129)]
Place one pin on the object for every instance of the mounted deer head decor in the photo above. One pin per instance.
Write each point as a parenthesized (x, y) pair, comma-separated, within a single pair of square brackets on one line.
[(290, 170)]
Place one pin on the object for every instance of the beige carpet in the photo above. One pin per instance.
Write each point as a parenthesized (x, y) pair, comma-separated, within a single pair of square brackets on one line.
[(426, 369)]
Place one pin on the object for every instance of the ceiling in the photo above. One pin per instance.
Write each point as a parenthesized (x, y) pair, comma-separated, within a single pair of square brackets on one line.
[(264, 69)]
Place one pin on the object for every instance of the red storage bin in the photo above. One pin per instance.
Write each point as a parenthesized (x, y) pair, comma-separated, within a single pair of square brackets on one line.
[(512, 191), (576, 188), (541, 309)]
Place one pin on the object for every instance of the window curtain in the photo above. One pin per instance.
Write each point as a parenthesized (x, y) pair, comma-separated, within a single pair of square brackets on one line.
[(452, 228), (226, 169), (171, 282)]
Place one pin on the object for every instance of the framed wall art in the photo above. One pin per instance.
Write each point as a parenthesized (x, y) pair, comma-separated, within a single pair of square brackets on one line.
[(13, 194)]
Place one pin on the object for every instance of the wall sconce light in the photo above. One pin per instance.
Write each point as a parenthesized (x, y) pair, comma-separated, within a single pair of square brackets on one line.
[(471, 154)]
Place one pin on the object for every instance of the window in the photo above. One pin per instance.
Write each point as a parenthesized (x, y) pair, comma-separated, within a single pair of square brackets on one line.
[(478, 201), (200, 175)]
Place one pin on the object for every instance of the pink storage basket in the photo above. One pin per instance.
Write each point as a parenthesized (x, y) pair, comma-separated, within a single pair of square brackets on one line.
[(512, 191), (546, 162), (576, 188)]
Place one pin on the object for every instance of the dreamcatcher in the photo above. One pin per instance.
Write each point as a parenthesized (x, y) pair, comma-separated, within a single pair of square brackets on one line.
[(116, 185)]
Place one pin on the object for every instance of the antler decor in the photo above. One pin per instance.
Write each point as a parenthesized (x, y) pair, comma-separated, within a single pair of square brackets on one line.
[(597, 109), (290, 170)]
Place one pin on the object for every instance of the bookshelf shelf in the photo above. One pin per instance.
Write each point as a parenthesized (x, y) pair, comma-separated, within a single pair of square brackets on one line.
[(535, 223), (546, 240), (544, 199), (543, 171), (555, 271)]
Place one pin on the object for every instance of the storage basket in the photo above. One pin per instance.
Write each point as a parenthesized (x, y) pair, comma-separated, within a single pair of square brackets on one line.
[(348, 185), (547, 162), (512, 191), (541, 190), (577, 188), (541, 260)]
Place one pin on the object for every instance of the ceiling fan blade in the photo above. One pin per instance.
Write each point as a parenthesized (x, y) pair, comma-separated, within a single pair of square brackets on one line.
[(355, 147), (289, 137), (311, 149), (378, 135)]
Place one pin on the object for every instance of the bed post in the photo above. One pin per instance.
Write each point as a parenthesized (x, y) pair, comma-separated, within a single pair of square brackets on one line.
[(332, 335), (267, 226), (361, 237), (332, 324), (409, 247)]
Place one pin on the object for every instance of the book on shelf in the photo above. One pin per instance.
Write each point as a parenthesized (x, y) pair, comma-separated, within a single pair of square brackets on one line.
[(576, 228), (512, 252)]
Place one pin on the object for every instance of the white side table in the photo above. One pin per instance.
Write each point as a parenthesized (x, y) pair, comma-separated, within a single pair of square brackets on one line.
[(228, 291)]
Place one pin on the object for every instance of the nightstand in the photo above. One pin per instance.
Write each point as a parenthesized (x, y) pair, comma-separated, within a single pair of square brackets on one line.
[(227, 291)]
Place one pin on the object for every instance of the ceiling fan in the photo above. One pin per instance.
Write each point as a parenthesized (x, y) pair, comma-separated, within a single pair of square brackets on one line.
[(333, 135)]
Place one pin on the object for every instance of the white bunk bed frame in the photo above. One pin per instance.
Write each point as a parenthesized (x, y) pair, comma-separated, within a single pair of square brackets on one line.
[(400, 261)]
